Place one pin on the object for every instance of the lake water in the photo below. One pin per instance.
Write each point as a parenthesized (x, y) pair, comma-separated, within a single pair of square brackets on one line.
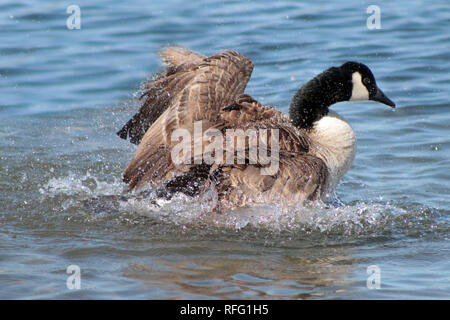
[(64, 93)]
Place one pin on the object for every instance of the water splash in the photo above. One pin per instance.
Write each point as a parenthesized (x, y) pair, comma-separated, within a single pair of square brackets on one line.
[(80, 185), (107, 198), (199, 213)]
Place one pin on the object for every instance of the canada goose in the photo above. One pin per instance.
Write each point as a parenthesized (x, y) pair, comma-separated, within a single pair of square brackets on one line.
[(316, 145)]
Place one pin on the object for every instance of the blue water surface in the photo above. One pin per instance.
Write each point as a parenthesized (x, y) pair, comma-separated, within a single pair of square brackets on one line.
[(65, 92)]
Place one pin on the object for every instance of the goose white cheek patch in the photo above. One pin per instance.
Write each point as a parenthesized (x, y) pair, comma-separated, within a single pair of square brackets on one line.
[(359, 91)]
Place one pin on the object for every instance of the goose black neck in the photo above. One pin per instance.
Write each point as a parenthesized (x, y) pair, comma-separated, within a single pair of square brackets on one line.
[(311, 101)]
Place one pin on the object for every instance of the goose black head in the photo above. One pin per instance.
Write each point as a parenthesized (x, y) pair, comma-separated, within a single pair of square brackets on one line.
[(364, 86), (351, 81)]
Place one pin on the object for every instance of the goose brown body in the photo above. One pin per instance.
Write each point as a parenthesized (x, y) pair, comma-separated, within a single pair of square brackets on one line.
[(211, 90)]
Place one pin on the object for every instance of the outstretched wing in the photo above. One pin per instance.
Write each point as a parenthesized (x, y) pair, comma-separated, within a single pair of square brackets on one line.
[(160, 91), (195, 90)]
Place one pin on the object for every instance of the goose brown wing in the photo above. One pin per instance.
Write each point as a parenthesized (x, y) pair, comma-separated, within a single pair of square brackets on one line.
[(299, 177), (294, 176), (160, 91), (194, 91), (175, 56), (248, 114)]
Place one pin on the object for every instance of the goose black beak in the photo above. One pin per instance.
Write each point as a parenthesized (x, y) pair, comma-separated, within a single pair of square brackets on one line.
[(379, 96)]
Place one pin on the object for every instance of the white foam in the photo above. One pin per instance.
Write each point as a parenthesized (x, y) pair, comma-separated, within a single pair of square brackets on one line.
[(87, 184), (343, 219), (199, 212)]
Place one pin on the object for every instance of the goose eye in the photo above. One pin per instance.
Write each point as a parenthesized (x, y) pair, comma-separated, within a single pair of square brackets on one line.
[(366, 81)]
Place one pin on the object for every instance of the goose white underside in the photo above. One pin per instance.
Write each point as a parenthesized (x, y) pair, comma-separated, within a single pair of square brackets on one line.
[(335, 143)]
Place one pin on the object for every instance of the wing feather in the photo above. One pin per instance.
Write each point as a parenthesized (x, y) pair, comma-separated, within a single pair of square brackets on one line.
[(206, 88), (300, 176)]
